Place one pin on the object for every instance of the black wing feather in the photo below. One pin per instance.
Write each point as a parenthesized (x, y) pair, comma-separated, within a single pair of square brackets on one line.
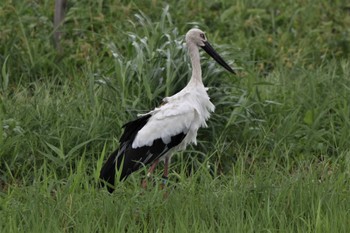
[(131, 128), (130, 159)]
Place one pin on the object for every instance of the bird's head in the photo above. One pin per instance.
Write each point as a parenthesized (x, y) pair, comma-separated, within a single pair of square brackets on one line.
[(197, 37)]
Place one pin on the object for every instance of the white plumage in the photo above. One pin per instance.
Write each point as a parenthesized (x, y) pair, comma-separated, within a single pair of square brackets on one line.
[(185, 111), (157, 134)]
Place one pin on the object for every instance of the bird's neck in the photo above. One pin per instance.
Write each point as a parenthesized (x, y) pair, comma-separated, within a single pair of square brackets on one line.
[(195, 61)]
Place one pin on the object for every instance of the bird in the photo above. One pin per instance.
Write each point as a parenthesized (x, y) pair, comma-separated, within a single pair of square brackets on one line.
[(158, 134)]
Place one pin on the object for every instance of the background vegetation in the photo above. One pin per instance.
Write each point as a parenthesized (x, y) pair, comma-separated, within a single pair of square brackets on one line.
[(274, 158)]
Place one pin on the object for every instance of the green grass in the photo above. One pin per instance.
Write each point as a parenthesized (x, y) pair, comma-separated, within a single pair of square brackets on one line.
[(311, 199), (276, 154)]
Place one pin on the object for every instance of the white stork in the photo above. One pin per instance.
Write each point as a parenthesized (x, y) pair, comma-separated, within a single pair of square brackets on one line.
[(156, 135)]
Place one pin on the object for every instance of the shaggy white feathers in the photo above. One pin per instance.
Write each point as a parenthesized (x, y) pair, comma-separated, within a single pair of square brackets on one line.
[(185, 112)]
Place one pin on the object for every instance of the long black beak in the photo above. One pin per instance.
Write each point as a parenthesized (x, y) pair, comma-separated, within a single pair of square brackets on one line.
[(211, 51)]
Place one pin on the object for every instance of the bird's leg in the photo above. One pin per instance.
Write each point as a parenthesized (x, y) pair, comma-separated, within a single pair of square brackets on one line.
[(149, 173), (166, 171)]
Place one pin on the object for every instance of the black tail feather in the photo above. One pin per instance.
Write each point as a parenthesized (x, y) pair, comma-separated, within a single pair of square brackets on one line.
[(108, 172)]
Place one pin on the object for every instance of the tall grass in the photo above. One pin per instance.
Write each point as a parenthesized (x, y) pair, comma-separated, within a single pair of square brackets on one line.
[(275, 156), (270, 200)]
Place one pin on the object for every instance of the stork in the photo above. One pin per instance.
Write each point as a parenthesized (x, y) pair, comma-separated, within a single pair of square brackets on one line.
[(156, 135)]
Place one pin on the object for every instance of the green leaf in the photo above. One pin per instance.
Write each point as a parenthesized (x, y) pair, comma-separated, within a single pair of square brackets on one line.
[(309, 117), (4, 75)]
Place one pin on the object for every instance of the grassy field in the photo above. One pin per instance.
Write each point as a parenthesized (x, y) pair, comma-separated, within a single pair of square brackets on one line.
[(276, 154)]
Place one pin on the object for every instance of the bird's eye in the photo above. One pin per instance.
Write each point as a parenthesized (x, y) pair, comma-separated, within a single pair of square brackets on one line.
[(202, 36)]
